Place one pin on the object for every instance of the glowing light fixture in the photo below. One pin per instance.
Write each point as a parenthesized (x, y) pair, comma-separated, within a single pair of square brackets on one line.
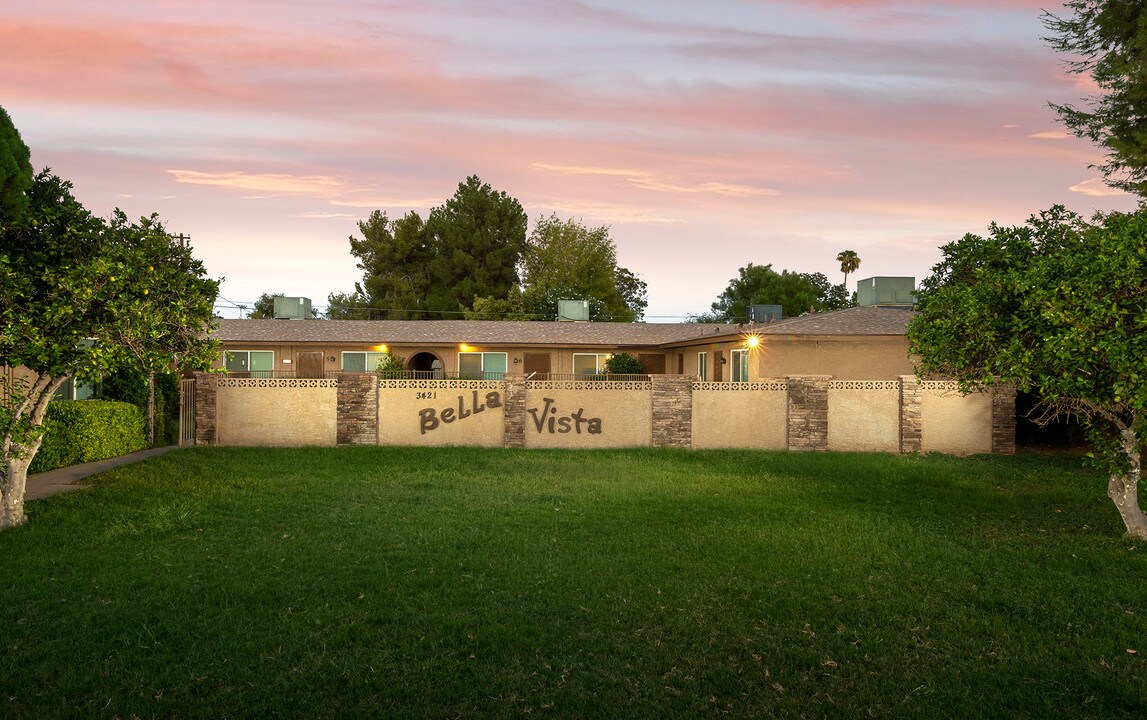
[(465, 348), (752, 341)]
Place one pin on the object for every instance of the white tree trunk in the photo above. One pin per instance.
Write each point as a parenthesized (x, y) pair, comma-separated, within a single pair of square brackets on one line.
[(19, 447), (1124, 489), (12, 488)]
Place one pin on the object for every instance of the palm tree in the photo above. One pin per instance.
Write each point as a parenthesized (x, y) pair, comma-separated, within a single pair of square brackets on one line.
[(849, 263)]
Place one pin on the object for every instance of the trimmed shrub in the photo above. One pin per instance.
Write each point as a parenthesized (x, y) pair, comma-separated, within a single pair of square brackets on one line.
[(83, 431)]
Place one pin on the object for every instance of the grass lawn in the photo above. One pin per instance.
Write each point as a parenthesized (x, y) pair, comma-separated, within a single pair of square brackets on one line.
[(376, 582)]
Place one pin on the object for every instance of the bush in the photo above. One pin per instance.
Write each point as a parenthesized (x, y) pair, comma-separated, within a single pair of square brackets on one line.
[(87, 430), (623, 364)]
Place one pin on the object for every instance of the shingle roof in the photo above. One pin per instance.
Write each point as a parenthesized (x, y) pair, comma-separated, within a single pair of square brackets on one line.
[(867, 320), (476, 332), (871, 320)]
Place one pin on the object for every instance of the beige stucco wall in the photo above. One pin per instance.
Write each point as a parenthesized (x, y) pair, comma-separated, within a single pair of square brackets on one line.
[(740, 415), (612, 415), (276, 413), (864, 416), (954, 423), (441, 412), (866, 358)]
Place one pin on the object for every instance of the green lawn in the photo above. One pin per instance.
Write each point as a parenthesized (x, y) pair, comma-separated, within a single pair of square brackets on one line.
[(375, 582)]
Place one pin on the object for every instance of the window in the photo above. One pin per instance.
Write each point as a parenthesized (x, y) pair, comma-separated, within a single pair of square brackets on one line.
[(481, 365), (362, 361), (71, 390), (740, 362), (589, 363), (703, 366), (255, 363)]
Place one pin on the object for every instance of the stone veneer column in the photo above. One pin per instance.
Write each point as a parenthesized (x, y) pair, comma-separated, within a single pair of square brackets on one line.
[(514, 411), (910, 422), (206, 389), (1004, 420), (357, 420), (808, 412), (672, 410)]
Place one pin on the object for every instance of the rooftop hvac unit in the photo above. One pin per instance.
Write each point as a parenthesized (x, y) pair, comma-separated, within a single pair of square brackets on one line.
[(573, 310), (765, 313), (292, 308), (895, 291)]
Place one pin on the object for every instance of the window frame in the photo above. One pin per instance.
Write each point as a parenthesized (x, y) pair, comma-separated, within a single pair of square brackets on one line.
[(598, 363), (368, 356), (484, 373), (229, 354), (703, 366), (739, 359)]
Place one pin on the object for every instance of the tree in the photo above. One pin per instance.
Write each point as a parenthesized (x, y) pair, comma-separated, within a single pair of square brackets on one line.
[(477, 239), (160, 306), (1108, 38), (622, 364), (797, 293), (564, 260), (849, 263), (394, 257), (71, 289), (15, 172), (1058, 306)]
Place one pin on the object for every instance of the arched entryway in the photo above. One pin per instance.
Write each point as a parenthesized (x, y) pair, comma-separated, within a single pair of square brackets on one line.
[(425, 365)]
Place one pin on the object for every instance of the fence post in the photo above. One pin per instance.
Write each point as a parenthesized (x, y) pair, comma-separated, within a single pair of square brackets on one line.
[(911, 420), (808, 412), (357, 409), (514, 411), (672, 410), (206, 390)]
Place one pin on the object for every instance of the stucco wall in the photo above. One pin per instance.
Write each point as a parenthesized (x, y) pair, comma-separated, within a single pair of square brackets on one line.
[(864, 416), (441, 412), (954, 423), (276, 413), (588, 414), (868, 358), (740, 415)]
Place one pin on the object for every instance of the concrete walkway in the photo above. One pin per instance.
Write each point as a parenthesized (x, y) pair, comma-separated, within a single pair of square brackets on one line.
[(41, 485)]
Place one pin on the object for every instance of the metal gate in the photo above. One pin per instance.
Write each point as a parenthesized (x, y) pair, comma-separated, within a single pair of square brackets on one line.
[(187, 412)]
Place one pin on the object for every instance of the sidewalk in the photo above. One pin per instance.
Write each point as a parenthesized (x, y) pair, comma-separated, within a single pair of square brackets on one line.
[(41, 485)]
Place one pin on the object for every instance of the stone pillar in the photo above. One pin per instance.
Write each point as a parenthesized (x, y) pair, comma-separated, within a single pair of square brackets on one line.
[(514, 411), (808, 412), (357, 421), (1004, 420), (672, 410), (910, 422), (206, 390)]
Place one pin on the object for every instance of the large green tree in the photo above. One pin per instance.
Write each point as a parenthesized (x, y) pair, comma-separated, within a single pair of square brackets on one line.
[(160, 306), (15, 172), (477, 238), (564, 260), (797, 293), (395, 257), (73, 290), (1057, 306), (1107, 40)]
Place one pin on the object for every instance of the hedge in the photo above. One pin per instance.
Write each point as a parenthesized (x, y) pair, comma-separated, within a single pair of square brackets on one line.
[(83, 431)]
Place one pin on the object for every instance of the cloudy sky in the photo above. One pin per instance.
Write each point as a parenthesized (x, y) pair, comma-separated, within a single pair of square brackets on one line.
[(705, 135)]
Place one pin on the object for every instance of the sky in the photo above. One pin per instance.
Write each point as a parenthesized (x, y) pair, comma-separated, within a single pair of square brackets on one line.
[(706, 136)]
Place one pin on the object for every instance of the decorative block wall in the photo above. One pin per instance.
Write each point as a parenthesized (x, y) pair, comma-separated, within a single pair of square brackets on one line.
[(800, 413)]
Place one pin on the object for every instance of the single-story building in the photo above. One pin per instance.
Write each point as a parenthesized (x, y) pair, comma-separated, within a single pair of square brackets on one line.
[(862, 343)]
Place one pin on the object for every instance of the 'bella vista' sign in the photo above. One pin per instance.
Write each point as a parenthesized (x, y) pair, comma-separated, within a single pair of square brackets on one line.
[(545, 419)]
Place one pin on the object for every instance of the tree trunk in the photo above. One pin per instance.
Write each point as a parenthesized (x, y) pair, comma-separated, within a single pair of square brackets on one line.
[(1124, 489), (12, 487), (150, 409)]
